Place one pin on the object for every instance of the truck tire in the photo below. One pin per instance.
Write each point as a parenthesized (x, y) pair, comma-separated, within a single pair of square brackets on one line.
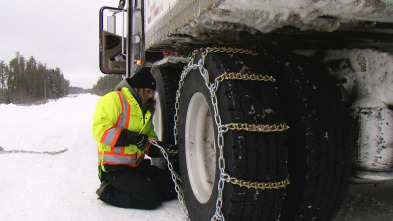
[(319, 139), (167, 81), (250, 156)]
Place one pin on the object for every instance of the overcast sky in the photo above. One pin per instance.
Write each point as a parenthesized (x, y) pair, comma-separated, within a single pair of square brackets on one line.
[(61, 33)]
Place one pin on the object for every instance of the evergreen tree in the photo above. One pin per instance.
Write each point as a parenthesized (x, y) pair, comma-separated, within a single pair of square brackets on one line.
[(106, 84), (3, 79), (29, 81)]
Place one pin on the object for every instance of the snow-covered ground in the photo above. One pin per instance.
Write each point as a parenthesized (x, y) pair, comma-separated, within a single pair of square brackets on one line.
[(36, 186), (57, 187)]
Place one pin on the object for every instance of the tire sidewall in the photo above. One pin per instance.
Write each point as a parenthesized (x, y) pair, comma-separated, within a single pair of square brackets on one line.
[(194, 83)]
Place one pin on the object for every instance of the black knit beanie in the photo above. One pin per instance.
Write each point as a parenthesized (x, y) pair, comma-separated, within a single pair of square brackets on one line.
[(142, 79)]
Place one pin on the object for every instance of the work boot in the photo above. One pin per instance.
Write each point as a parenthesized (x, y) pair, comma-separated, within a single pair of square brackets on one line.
[(104, 190)]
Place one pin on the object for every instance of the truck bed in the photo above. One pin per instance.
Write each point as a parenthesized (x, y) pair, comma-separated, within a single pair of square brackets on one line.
[(301, 24)]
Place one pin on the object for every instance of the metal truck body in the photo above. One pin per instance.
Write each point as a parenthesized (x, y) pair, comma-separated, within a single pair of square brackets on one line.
[(176, 24)]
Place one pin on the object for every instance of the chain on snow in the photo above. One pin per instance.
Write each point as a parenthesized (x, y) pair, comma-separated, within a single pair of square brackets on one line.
[(3, 151), (225, 177)]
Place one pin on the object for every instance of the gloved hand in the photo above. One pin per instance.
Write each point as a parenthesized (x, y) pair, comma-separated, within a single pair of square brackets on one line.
[(171, 151), (127, 137), (141, 141), (169, 148)]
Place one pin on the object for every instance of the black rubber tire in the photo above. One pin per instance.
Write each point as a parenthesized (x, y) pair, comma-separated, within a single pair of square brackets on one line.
[(167, 80), (250, 156), (319, 138)]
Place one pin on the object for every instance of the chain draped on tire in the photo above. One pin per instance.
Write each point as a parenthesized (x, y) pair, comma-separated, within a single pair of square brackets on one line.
[(221, 129), (319, 154)]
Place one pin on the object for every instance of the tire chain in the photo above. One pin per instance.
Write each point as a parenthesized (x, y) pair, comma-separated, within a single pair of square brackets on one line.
[(3, 151), (246, 77), (224, 177), (175, 177), (264, 128)]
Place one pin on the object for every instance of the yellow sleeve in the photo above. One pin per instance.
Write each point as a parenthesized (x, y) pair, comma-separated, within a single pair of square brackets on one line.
[(151, 133), (105, 116)]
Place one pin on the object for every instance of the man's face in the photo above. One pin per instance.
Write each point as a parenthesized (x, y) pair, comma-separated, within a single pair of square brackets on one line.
[(145, 94)]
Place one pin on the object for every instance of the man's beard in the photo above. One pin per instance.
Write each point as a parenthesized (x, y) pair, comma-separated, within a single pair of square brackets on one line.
[(149, 105)]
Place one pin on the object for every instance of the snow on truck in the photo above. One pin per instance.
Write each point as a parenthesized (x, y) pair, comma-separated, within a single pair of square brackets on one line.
[(275, 106)]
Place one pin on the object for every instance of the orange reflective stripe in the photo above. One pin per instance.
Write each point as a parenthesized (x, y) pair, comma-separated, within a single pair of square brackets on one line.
[(119, 159), (112, 134), (116, 150), (115, 137), (124, 116), (116, 155), (148, 148)]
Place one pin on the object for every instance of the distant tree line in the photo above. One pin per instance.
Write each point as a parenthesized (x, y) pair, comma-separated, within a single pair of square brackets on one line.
[(106, 84), (28, 81)]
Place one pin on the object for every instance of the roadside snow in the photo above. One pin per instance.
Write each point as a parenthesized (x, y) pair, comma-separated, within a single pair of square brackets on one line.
[(57, 187), (62, 187)]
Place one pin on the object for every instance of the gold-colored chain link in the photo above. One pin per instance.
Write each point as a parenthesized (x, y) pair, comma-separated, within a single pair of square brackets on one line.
[(260, 185), (229, 50), (246, 77), (264, 128), (172, 151), (223, 49)]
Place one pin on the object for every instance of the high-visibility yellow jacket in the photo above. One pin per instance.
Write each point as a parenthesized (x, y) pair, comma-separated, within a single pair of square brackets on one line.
[(115, 111)]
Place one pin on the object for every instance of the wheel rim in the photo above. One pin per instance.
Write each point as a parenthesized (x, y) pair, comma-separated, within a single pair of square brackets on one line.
[(200, 148), (157, 118)]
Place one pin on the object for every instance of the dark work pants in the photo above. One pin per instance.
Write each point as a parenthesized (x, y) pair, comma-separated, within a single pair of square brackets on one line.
[(142, 189)]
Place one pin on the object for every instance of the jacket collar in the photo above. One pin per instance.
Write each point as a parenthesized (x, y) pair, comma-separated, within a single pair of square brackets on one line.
[(131, 95), (131, 90)]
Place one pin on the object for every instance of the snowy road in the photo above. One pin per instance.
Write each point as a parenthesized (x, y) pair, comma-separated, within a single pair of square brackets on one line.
[(62, 187)]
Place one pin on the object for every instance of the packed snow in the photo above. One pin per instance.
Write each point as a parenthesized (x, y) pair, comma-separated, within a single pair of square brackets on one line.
[(39, 185), (304, 14), (265, 16), (57, 187)]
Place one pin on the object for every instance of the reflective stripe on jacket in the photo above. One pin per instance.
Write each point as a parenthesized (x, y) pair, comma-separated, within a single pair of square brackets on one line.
[(115, 111)]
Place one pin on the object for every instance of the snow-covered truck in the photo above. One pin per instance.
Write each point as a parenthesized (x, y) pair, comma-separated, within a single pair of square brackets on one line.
[(275, 105)]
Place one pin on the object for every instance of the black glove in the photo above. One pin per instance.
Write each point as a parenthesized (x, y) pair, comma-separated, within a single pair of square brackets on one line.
[(155, 151), (141, 141), (171, 151), (167, 147), (127, 137)]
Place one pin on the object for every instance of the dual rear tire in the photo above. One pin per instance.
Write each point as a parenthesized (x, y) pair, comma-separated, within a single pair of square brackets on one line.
[(314, 152)]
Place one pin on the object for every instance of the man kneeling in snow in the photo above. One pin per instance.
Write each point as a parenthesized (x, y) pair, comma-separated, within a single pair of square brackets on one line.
[(122, 127)]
